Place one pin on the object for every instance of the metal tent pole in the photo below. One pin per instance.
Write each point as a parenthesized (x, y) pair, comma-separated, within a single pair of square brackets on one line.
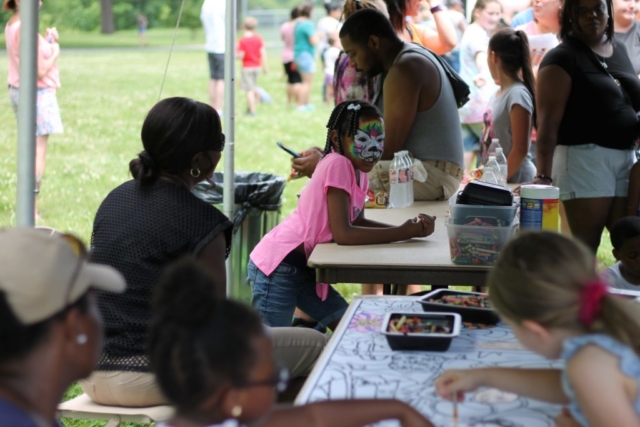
[(229, 123), (27, 113)]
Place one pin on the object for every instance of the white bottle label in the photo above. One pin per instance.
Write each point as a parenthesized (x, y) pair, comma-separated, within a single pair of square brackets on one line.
[(393, 176)]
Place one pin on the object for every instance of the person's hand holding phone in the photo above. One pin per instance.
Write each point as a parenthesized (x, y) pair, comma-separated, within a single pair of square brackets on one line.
[(307, 161)]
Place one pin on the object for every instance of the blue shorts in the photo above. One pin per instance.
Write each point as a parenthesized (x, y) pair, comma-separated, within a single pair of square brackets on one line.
[(276, 296), (305, 63)]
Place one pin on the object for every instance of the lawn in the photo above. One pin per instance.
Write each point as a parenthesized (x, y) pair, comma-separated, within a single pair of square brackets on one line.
[(104, 99)]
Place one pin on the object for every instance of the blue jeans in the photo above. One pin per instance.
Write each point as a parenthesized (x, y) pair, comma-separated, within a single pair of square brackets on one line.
[(276, 296)]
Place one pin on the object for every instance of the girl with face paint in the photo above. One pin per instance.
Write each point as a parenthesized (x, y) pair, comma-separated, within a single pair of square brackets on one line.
[(331, 208)]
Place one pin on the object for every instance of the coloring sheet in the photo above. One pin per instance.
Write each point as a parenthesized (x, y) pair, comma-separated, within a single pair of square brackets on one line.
[(360, 364)]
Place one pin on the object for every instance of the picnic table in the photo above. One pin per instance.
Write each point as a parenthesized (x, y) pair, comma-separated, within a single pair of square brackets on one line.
[(358, 363), (416, 261)]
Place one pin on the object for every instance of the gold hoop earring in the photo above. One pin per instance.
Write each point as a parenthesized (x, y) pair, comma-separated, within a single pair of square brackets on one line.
[(236, 411), (195, 174)]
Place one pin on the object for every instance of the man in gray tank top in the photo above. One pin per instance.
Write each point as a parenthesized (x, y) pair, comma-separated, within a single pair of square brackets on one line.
[(416, 98)]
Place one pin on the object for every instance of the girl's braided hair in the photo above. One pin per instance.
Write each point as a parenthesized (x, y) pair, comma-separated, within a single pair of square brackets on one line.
[(345, 119), (198, 340)]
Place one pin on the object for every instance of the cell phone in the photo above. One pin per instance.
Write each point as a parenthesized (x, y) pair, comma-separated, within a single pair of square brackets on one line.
[(288, 150)]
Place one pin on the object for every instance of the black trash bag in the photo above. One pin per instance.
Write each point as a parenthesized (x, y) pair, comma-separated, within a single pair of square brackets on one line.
[(252, 190)]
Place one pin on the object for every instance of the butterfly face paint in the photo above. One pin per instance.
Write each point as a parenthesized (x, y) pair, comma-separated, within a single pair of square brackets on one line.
[(368, 142)]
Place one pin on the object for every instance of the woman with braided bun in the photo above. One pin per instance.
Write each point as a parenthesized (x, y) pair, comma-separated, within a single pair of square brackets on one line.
[(546, 288), (331, 208), (153, 220)]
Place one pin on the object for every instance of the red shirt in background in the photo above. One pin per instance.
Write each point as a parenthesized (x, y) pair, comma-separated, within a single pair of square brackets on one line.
[(251, 46)]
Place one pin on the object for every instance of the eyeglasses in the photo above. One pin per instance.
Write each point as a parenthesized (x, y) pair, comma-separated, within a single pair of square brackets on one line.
[(279, 381), (223, 139)]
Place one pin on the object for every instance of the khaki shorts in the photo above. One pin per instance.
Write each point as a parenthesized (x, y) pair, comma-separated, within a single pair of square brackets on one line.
[(296, 348), (443, 180), (249, 80)]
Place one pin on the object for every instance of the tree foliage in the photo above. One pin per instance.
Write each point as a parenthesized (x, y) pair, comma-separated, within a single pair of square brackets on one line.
[(84, 15)]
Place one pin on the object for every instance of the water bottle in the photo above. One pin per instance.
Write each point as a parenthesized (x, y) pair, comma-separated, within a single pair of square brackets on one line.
[(491, 151), (398, 182), (504, 166), (488, 175), (493, 165), (408, 163)]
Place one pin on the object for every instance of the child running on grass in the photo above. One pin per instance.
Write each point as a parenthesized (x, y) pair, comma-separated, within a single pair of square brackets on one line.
[(254, 58), (214, 362), (545, 287), (331, 208)]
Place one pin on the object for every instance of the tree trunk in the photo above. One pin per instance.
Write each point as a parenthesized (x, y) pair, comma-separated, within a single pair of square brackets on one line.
[(106, 17)]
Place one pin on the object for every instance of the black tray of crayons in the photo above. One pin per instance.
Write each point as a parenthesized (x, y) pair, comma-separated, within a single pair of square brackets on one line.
[(474, 307), (421, 331)]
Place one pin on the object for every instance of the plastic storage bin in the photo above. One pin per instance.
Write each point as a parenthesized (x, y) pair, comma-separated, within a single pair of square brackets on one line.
[(463, 214), (475, 244)]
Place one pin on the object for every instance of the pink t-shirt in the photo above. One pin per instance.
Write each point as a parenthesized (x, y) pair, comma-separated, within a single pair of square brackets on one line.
[(286, 32), (11, 34), (309, 222)]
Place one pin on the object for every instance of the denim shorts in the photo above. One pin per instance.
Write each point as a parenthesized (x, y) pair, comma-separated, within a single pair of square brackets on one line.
[(590, 171), (276, 296), (306, 63)]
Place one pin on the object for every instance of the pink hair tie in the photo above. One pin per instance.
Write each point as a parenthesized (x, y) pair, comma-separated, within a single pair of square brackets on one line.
[(591, 301)]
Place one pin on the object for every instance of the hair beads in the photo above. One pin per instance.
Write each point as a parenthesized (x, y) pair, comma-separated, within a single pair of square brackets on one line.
[(344, 120)]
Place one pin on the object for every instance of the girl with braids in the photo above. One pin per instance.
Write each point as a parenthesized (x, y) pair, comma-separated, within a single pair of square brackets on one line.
[(511, 111), (545, 287), (331, 208), (215, 363)]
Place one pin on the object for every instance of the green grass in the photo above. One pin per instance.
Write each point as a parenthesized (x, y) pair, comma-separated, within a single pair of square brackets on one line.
[(159, 37), (104, 99)]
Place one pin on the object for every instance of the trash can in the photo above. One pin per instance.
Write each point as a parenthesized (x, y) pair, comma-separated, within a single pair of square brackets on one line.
[(258, 197)]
